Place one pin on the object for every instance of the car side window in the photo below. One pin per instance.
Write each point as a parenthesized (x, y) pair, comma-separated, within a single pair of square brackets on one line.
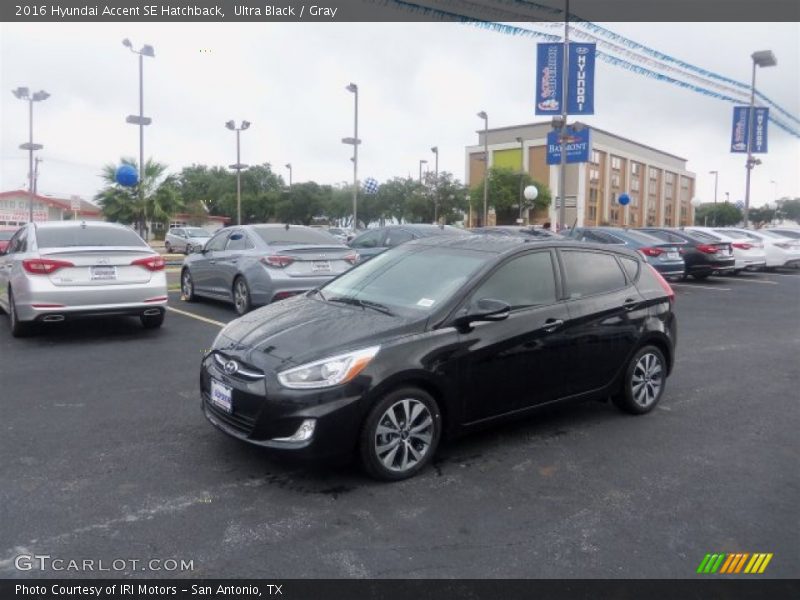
[(589, 273), (631, 267), (18, 242), (601, 237), (397, 237), (370, 239), (218, 241), (238, 241), (527, 280)]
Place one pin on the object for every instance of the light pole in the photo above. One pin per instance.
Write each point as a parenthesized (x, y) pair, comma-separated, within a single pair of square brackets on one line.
[(435, 150), (141, 120), (289, 166), (521, 143), (23, 93), (562, 211), (716, 181), (485, 118), (762, 58), (727, 197), (422, 161), (531, 193), (353, 88), (238, 166)]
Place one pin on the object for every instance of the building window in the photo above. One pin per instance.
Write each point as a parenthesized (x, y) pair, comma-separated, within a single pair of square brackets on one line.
[(635, 168), (634, 199), (595, 157), (615, 180), (669, 177), (594, 175), (634, 185), (593, 195), (652, 187), (616, 163), (593, 214)]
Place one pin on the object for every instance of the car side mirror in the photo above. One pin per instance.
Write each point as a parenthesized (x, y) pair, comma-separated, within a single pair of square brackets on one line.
[(486, 309)]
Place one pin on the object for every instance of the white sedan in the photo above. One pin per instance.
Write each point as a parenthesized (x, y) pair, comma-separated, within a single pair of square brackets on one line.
[(781, 251), (64, 269), (749, 253)]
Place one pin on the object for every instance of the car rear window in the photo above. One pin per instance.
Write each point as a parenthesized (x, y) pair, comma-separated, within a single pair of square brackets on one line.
[(702, 236), (642, 238), (589, 273), (446, 230), (276, 236), (87, 235)]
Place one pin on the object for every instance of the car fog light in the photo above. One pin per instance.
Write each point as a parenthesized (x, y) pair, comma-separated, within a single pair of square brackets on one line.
[(303, 433)]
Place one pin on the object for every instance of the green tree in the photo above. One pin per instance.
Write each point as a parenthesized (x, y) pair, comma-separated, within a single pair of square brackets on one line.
[(395, 196), (723, 214), (505, 187), (301, 203), (155, 195), (789, 209), (761, 215)]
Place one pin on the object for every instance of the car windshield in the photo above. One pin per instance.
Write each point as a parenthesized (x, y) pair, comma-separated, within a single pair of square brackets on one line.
[(733, 234), (197, 232), (62, 237), (408, 280), (773, 235), (295, 236)]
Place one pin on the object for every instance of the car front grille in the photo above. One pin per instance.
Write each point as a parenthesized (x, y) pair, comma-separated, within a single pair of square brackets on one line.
[(239, 422)]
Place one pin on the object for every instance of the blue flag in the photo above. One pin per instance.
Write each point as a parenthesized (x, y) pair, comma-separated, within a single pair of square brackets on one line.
[(740, 128), (580, 95), (549, 63)]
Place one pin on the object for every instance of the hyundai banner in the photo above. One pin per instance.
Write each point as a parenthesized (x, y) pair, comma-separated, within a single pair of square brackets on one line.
[(549, 83), (578, 145), (741, 127)]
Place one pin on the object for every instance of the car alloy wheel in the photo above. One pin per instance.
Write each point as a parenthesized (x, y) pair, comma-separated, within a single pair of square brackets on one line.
[(400, 435), (241, 296), (187, 286), (645, 379), (167, 248), (18, 328)]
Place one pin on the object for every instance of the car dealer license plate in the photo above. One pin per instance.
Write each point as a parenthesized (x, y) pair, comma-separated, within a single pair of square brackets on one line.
[(319, 266), (673, 255), (104, 273), (222, 396)]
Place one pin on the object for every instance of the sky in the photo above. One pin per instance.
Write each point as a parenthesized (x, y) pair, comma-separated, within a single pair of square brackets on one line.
[(420, 85)]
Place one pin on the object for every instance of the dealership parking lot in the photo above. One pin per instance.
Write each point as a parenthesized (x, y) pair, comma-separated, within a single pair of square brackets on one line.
[(106, 455)]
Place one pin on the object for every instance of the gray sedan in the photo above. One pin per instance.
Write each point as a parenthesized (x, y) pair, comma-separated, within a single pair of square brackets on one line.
[(184, 239), (253, 265)]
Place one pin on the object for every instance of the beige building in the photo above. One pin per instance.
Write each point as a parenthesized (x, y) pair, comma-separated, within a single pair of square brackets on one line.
[(659, 186)]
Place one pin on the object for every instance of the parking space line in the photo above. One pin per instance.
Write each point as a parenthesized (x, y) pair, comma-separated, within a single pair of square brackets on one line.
[(198, 317), (695, 286), (755, 280)]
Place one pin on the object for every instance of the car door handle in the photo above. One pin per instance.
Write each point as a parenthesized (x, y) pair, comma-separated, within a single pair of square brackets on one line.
[(552, 324), (630, 304), (212, 262)]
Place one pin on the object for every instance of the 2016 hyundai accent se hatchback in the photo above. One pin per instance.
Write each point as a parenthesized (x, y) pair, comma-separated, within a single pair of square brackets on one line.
[(438, 337)]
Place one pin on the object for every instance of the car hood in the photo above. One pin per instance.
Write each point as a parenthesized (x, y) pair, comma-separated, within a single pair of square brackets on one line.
[(302, 329)]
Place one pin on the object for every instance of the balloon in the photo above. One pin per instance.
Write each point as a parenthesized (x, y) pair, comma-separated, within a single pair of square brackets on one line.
[(127, 175), (624, 199)]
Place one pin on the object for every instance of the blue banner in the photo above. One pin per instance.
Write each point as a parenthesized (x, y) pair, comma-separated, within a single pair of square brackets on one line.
[(578, 145), (740, 128), (549, 82), (580, 94), (758, 145), (549, 63)]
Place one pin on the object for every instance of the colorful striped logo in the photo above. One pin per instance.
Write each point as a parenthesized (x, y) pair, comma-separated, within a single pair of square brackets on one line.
[(741, 562)]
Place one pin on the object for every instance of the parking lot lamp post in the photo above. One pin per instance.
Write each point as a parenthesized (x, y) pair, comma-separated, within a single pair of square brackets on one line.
[(238, 166), (289, 166), (141, 120), (485, 118), (353, 88), (422, 161), (435, 150), (762, 58), (23, 93)]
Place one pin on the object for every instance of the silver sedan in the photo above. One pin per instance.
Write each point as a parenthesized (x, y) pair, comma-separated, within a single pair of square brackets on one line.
[(253, 265), (60, 270)]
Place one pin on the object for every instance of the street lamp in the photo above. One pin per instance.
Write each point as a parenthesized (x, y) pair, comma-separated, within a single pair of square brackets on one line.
[(762, 58), (521, 143), (353, 88), (435, 150), (238, 166), (140, 120), (716, 180), (422, 161), (485, 117), (23, 93), (289, 166)]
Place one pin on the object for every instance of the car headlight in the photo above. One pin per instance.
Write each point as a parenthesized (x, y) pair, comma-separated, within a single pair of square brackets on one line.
[(328, 371)]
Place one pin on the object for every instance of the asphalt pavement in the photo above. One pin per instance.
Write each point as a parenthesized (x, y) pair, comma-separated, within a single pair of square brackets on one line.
[(106, 455)]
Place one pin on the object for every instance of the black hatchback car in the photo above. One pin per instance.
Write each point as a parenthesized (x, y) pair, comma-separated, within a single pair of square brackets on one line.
[(439, 337)]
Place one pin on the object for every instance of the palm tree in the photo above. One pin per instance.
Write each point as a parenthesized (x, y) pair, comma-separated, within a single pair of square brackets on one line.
[(154, 192)]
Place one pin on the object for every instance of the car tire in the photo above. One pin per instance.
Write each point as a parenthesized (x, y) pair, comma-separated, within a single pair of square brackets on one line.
[(400, 435), (187, 286), (241, 296), (736, 271), (18, 328), (644, 381), (168, 247), (152, 321), (700, 276)]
